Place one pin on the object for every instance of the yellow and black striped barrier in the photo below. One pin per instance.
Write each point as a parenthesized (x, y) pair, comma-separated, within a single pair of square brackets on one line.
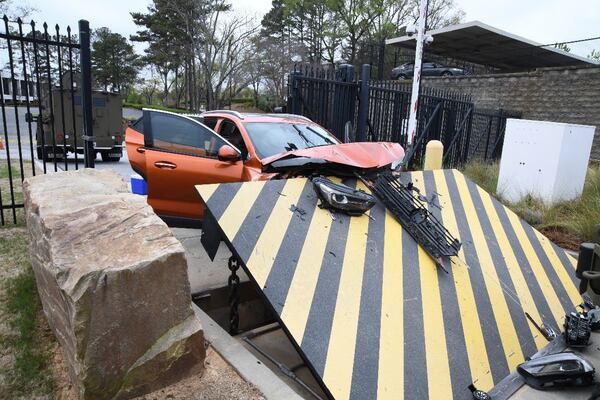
[(369, 310)]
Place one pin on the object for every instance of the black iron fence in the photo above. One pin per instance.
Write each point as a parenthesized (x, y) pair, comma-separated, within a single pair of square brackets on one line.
[(489, 127), (45, 87), (366, 110)]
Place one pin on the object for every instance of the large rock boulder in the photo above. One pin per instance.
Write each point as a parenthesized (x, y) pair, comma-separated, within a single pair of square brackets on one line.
[(113, 284)]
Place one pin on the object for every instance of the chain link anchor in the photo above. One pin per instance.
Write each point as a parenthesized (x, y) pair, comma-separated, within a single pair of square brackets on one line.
[(234, 296)]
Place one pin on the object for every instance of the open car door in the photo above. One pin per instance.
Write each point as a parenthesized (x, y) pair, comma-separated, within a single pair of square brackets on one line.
[(180, 153)]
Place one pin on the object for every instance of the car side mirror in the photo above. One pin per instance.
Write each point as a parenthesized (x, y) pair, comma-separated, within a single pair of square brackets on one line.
[(228, 153)]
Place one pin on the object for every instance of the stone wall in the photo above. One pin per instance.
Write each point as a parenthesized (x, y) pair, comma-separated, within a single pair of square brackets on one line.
[(550, 94), (113, 284)]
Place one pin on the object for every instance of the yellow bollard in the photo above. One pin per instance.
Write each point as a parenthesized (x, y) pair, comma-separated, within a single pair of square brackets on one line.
[(433, 155)]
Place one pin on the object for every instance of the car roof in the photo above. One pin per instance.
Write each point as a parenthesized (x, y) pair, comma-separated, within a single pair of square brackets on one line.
[(260, 117)]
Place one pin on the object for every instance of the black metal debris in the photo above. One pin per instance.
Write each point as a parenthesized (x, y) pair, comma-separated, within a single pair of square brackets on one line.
[(404, 202)]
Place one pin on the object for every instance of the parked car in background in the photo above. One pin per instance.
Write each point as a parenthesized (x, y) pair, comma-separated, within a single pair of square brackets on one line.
[(427, 69), (175, 152)]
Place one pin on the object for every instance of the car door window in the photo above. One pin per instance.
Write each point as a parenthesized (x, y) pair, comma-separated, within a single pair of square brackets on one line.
[(428, 65), (230, 132), (211, 122), (181, 135), (138, 125)]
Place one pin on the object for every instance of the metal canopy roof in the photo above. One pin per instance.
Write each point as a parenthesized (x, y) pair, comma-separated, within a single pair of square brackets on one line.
[(482, 44)]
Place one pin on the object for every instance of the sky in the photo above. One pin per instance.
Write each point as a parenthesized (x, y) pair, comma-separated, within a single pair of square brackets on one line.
[(547, 21)]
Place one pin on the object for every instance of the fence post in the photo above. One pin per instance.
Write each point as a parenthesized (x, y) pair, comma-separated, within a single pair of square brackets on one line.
[(381, 60), (341, 100), (295, 91), (487, 140), (89, 153), (499, 131), (363, 105)]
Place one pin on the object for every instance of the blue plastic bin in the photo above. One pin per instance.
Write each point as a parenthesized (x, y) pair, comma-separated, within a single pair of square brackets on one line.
[(138, 185)]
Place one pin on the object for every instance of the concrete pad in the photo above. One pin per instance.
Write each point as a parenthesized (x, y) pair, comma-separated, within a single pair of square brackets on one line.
[(203, 273)]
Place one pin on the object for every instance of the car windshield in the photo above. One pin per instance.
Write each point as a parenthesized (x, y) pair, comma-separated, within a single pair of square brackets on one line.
[(273, 138)]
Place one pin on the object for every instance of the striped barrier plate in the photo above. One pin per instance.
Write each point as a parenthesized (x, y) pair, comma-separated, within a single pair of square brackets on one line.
[(368, 309)]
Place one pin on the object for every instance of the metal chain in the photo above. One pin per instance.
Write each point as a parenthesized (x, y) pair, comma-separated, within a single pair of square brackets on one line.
[(234, 297)]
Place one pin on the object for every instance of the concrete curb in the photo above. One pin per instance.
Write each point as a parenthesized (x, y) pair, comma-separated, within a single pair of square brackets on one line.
[(243, 361)]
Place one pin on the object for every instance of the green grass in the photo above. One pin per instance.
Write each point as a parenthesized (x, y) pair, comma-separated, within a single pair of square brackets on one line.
[(29, 341), (15, 171), (138, 106), (17, 191), (485, 175), (577, 218)]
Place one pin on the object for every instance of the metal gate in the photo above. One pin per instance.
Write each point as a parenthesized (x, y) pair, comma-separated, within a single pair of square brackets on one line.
[(45, 81), (379, 110)]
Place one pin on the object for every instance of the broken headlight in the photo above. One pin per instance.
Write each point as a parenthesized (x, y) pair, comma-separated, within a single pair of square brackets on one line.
[(341, 197), (557, 370)]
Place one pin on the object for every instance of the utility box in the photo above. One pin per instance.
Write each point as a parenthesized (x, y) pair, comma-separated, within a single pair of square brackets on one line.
[(547, 160)]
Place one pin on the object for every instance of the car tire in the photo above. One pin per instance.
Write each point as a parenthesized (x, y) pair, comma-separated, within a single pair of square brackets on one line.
[(44, 154), (106, 157), (446, 73), (401, 77)]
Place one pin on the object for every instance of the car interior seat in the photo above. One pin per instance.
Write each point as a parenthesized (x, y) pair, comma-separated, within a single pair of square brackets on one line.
[(232, 134)]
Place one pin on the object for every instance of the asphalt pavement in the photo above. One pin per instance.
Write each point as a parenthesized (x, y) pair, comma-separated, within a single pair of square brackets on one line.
[(24, 144)]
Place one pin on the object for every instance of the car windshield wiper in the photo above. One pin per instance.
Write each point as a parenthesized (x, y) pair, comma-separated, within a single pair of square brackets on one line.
[(306, 140), (291, 146), (321, 136)]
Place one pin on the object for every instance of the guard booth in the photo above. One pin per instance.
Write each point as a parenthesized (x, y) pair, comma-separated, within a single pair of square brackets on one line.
[(367, 309), (61, 118)]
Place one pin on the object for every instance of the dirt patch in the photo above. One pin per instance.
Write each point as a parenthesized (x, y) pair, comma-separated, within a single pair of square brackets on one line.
[(562, 237), (219, 381), (63, 388)]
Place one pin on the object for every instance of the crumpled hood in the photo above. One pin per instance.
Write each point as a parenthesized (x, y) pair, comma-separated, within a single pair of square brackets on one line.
[(361, 155)]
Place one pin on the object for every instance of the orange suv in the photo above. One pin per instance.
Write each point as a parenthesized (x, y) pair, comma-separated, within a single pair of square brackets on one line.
[(175, 152)]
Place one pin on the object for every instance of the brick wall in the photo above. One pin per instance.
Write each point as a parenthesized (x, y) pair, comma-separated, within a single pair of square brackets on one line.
[(550, 94)]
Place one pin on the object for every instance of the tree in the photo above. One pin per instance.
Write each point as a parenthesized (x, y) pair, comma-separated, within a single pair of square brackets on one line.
[(20, 10), (563, 47), (275, 47), (148, 89), (348, 29), (224, 51), (165, 32), (356, 18), (440, 13), (114, 62)]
